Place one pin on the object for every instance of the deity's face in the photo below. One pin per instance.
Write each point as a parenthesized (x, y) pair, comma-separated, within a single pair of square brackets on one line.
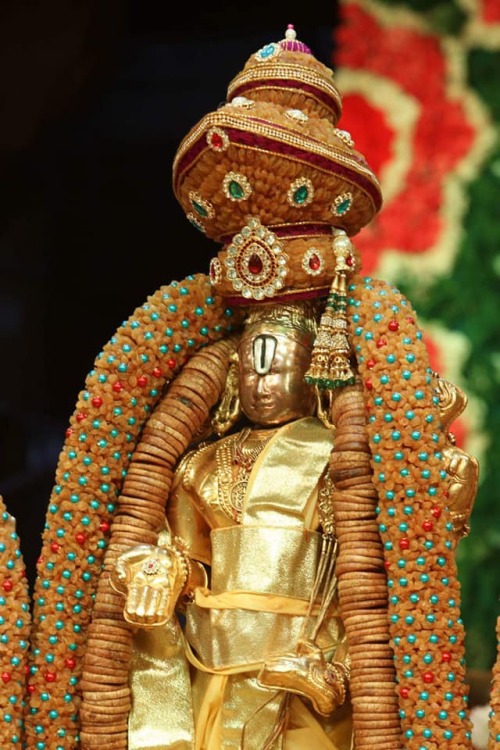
[(271, 378)]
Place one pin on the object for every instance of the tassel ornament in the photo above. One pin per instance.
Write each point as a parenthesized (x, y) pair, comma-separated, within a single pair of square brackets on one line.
[(330, 361)]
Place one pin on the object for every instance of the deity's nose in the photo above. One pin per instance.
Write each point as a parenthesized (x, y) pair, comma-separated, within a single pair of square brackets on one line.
[(262, 386)]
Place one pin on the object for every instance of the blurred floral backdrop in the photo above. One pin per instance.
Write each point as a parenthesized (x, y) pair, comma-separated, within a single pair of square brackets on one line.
[(424, 75)]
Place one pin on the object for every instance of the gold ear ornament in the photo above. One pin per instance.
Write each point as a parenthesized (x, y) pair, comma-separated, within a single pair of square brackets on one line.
[(228, 411)]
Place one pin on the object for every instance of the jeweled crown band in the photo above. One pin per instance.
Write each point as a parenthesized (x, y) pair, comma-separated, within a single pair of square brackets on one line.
[(293, 231), (221, 174), (287, 79), (252, 132), (258, 265)]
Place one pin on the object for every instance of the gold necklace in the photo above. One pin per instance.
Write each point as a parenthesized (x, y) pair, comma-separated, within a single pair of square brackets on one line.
[(232, 454)]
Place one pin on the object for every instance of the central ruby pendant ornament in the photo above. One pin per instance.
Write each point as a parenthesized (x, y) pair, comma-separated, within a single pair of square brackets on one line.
[(255, 262)]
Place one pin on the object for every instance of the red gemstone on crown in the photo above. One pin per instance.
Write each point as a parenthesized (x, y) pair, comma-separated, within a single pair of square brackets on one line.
[(216, 140), (255, 264), (314, 262)]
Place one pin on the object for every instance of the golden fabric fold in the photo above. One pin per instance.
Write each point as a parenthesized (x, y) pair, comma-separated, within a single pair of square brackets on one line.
[(269, 607), (161, 715), (258, 559), (257, 606), (254, 602), (297, 455)]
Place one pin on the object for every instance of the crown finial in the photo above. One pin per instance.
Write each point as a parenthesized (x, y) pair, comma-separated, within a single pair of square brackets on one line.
[(291, 43)]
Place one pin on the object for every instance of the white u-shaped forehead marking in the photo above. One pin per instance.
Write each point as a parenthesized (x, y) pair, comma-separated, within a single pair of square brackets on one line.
[(263, 349)]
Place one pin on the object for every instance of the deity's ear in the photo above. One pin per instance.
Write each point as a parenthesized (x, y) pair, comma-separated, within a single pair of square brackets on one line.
[(228, 410)]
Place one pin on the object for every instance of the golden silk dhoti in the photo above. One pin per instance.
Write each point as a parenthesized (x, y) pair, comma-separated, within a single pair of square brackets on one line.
[(196, 686)]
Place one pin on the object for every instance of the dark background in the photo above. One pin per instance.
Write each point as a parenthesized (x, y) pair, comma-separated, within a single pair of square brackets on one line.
[(95, 97)]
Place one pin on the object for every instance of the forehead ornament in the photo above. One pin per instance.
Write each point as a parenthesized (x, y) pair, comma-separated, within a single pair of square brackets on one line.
[(263, 350)]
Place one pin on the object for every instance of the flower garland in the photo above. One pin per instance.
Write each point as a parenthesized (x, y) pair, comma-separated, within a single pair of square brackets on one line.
[(361, 578), (15, 621), (494, 717), (421, 191), (179, 416), (126, 383), (406, 442)]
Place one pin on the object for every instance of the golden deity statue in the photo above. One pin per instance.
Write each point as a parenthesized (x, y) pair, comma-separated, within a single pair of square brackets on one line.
[(251, 539), (262, 652)]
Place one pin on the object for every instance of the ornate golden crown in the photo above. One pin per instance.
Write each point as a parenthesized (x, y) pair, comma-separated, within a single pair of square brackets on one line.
[(271, 177)]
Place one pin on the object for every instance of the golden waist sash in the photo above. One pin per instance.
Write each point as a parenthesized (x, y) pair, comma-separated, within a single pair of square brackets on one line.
[(242, 627)]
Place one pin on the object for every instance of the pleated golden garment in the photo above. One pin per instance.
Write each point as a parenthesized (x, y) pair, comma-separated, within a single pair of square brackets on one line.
[(262, 574)]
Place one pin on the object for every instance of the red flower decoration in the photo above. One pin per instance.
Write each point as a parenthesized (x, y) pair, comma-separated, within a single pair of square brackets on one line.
[(490, 11), (396, 77)]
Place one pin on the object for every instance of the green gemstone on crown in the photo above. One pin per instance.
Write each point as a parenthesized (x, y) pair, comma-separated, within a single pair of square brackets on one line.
[(344, 206), (201, 210), (301, 195), (236, 190)]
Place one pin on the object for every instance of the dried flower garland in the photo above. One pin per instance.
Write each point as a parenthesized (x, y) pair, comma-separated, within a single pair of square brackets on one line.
[(362, 581), (15, 621), (494, 720), (413, 536), (120, 392), (140, 516), (406, 442)]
